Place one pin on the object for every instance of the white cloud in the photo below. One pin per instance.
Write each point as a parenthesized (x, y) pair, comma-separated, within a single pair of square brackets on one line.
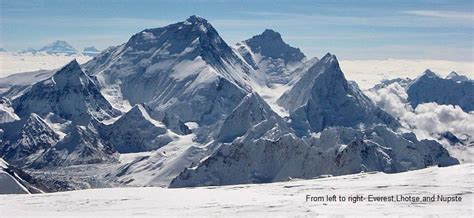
[(442, 14), (368, 73), (428, 119)]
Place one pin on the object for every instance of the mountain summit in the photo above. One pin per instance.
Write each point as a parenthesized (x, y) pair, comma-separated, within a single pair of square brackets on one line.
[(268, 53), (185, 68), (59, 47), (323, 98), (454, 90), (70, 94), (270, 44)]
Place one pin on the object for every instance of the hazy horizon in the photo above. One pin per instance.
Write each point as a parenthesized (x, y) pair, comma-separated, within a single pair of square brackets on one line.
[(354, 30)]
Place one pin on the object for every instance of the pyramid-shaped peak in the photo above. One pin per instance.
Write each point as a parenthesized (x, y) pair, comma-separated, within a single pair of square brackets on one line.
[(269, 33), (329, 58), (453, 73), (196, 19), (457, 77), (429, 73), (270, 44), (73, 65), (70, 69), (58, 44)]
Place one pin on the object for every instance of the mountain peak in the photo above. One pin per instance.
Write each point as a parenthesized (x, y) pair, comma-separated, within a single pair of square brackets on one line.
[(329, 58), (60, 42), (457, 77), (271, 34), (453, 73), (72, 68), (59, 47), (270, 44), (196, 20), (429, 73)]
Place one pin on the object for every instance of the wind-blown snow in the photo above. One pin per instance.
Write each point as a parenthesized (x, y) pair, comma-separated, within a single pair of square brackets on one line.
[(276, 199)]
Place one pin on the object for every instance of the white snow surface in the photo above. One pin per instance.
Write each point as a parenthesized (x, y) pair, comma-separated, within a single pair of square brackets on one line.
[(8, 183), (280, 199)]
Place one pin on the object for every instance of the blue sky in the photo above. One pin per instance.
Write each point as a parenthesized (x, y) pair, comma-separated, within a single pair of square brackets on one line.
[(363, 29)]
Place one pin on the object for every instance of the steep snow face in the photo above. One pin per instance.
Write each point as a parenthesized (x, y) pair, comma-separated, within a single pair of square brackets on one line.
[(159, 167), (34, 143), (185, 69), (323, 98), (136, 131), (337, 151), (8, 183), (442, 91), (254, 116), (24, 140), (59, 47), (268, 53), (70, 94), (7, 114)]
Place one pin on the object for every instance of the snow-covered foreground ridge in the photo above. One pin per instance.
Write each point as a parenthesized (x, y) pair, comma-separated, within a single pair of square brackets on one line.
[(283, 198)]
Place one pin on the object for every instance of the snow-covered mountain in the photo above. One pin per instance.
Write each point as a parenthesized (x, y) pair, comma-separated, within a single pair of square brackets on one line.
[(36, 143), (7, 114), (457, 77), (137, 131), (336, 151), (90, 51), (58, 47), (185, 68), (252, 116), (70, 94), (448, 124), (176, 105), (324, 98), (269, 54), (450, 91)]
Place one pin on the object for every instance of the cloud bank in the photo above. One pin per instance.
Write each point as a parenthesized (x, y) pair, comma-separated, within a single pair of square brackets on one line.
[(428, 120)]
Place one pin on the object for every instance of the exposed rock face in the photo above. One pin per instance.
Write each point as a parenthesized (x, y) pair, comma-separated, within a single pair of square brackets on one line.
[(453, 91), (324, 98)]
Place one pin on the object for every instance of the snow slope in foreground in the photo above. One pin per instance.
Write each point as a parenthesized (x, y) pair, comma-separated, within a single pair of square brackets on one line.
[(284, 199)]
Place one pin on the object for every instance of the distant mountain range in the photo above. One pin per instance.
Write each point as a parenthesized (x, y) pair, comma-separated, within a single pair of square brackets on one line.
[(189, 107), (61, 47)]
